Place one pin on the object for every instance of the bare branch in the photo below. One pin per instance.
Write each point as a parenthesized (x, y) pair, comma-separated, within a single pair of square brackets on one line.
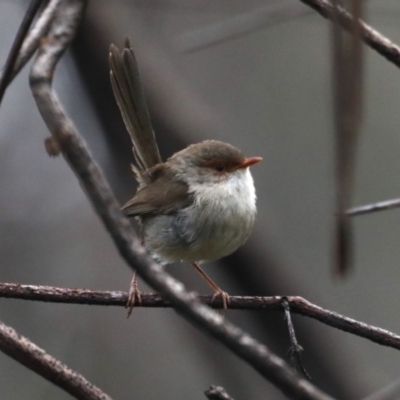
[(370, 36), (16, 46), (222, 31), (37, 32), (91, 178), (297, 304), (27, 353), (295, 349), (371, 208), (217, 393)]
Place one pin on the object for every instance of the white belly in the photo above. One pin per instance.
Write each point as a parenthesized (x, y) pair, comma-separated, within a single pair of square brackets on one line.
[(218, 222)]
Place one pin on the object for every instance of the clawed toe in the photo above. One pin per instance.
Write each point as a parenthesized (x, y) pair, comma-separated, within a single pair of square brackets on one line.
[(217, 291), (224, 298), (134, 296)]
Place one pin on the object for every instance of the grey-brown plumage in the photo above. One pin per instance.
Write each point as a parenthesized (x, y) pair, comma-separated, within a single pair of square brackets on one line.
[(197, 206), (162, 194)]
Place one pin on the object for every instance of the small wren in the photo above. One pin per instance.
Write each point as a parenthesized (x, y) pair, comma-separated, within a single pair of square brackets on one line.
[(197, 206)]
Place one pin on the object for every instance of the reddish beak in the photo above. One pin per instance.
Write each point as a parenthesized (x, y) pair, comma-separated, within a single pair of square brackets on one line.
[(250, 161)]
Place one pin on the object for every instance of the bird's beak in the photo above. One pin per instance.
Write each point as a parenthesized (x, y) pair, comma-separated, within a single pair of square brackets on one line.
[(250, 161)]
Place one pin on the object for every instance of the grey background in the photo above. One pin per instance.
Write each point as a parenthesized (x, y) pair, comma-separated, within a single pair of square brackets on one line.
[(266, 92)]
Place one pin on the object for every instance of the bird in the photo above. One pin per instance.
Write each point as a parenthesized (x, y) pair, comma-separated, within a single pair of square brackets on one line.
[(199, 205)]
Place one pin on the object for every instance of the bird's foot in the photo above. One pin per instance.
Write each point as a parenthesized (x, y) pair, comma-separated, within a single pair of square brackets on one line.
[(134, 296), (224, 298)]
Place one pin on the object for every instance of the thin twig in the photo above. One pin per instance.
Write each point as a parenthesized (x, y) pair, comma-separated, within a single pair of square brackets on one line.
[(371, 208), (297, 304), (217, 393), (92, 180), (237, 26), (370, 36), (27, 353), (16, 46), (217, 33), (295, 349)]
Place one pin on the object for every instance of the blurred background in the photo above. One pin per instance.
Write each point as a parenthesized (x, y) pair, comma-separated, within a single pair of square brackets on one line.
[(252, 73)]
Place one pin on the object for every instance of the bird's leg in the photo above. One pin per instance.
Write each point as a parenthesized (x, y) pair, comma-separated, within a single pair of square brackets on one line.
[(218, 292), (134, 296)]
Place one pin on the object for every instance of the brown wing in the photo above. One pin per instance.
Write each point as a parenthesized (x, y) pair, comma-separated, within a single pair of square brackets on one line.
[(164, 195)]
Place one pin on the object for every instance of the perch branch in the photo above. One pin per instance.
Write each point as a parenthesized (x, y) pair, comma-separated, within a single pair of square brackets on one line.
[(92, 180), (27, 353), (297, 304)]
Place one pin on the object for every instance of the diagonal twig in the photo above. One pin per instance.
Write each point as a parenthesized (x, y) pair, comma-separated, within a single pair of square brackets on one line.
[(34, 36), (31, 43), (91, 178), (16, 46), (192, 41), (237, 26), (371, 208), (27, 353), (368, 35)]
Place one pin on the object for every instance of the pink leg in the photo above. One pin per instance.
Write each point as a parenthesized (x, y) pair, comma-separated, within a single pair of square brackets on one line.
[(218, 292)]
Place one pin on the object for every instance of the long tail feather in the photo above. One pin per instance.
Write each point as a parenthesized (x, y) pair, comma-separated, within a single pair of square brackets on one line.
[(129, 94)]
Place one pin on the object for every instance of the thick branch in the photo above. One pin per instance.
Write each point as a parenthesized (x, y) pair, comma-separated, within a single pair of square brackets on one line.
[(370, 36), (27, 353), (74, 150), (297, 304)]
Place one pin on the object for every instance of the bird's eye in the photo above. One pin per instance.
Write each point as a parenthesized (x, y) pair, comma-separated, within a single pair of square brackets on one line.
[(219, 167)]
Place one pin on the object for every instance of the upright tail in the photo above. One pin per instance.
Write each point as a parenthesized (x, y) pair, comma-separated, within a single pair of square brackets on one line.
[(128, 91)]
